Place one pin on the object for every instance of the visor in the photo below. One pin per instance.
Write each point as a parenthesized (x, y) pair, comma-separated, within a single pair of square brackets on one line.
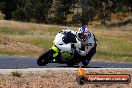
[(82, 36)]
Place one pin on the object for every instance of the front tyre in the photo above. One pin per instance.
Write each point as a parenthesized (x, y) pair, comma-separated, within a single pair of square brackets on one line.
[(41, 62)]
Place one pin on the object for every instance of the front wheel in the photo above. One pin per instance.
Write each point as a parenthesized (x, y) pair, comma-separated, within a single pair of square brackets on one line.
[(45, 58), (41, 62)]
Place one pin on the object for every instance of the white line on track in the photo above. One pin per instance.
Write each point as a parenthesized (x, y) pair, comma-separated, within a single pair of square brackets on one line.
[(7, 71)]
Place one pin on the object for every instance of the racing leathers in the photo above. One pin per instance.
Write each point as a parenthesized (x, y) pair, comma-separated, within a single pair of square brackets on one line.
[(88, 48)]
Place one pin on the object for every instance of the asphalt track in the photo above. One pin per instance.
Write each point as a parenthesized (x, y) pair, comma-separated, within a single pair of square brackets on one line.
[(17, 62)]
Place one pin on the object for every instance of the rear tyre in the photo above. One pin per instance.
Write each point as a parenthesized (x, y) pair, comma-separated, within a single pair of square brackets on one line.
[(85, 62), (70, 64)]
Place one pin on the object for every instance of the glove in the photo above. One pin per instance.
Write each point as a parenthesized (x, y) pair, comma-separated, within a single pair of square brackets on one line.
[(82, 53)]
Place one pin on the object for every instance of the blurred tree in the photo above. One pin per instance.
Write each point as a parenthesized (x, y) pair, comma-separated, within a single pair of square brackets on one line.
[(26, 10), (62, 10), (8, 6), (57, 11), (89, 10)]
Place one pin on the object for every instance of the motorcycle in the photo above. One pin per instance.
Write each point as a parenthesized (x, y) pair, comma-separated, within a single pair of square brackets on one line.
[(54, 55)]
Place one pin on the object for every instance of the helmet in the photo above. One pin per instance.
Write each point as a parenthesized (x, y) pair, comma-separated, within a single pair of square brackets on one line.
[(82, 33)]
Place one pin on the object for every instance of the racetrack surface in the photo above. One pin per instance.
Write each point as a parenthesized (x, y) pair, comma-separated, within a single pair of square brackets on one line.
[(17, 62)]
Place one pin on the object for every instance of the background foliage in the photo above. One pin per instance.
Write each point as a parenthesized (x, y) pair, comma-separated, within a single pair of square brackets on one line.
[(63, 11)]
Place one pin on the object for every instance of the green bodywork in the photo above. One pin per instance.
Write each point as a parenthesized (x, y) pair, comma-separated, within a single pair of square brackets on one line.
[(67, 54), (57, 51)]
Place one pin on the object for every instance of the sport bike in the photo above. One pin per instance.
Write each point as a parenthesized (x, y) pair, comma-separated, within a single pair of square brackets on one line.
[(54, 55)]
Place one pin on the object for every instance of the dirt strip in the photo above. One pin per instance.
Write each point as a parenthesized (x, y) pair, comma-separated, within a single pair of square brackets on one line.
[(56, 78)]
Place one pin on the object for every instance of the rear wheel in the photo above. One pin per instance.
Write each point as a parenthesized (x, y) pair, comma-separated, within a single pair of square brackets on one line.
[(73, 62), (70, 64), (85, 62)]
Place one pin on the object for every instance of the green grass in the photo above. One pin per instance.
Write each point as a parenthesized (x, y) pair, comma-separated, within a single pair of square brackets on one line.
[(113, 45), (10, 52)]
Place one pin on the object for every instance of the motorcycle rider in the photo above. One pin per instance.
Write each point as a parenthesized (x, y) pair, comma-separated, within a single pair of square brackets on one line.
[(88, 44), (81, 43)]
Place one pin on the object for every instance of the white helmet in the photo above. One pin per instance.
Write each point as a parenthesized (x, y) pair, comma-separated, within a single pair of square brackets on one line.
[(82, 33)]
